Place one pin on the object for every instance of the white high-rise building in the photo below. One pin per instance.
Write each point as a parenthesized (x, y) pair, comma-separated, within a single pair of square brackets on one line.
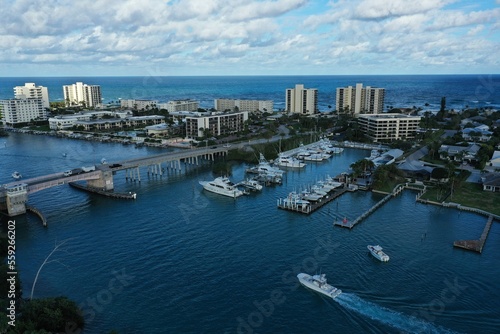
[(302, 101), (360, 100), (82, 94), (30, 91), (24, 110)]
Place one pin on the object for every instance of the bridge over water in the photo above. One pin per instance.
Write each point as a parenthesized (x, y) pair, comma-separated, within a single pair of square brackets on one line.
[(15, 194)]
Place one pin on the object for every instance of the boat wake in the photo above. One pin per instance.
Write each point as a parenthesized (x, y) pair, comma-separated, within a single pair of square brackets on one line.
[(406, 323)]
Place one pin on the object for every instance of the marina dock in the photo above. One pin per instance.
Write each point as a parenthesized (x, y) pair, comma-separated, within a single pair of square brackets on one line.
[(476, 245), (307, 209), (129, 195), (351, 224)]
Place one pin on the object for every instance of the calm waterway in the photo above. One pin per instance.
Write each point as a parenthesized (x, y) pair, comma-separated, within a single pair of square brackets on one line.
[(181, 260)]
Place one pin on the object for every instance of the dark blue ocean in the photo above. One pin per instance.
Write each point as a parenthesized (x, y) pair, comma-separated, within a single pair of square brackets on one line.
[(401, 90), (181, 260)]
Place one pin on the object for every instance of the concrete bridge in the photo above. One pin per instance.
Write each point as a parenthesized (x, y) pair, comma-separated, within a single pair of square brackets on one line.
[(15, 194)]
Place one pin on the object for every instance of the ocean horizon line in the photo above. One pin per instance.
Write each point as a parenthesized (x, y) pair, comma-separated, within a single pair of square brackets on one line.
[(253, 75)]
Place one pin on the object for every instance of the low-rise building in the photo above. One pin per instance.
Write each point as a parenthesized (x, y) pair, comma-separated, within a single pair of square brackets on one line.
[(180, 105), (243, 105), (215, 124), (459, 153), (385, 126), (491, 182), (138, 104)]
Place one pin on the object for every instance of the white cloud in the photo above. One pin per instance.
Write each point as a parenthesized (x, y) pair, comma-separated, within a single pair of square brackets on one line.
[(262, 35)]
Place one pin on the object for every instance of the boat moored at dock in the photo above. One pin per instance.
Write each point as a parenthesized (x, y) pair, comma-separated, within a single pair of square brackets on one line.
[(222, 186)]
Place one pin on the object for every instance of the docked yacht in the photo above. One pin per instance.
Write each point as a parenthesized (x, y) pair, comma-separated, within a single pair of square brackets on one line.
[(318, 283), (16, 175), (251, 184), (222, 186), (288, 162), (378, 253), (265, 167)]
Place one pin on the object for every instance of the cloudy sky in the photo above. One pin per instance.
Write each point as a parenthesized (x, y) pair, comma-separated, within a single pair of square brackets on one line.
[(243, 37)]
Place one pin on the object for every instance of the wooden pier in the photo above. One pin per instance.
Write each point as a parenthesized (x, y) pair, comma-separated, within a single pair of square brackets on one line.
[(351, 224), (476, 245), (129, 195), (314, 205)]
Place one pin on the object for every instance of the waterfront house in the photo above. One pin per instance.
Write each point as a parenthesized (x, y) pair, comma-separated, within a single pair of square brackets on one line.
[(491, 182)]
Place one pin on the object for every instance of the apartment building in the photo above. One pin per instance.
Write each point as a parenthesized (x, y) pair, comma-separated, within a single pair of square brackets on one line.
[(180, 105), (31, 91), (300, 100), (139, 104), (216, 123), (24, 110), (243, 105), (360, 100), (82, 94), (386, 127)]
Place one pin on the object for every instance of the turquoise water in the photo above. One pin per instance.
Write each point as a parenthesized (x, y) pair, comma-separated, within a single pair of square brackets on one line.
[(181, 260)]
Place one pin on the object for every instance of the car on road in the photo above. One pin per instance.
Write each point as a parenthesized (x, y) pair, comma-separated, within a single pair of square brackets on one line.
[(115, 165), (68, 173)]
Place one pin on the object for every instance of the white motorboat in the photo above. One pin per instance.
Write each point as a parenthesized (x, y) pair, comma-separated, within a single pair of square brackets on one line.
[(314, 157), (378, 253), (16, 175), (251, 184), (265, 167), (222, 186), (311, 196), (288, 162), (294, 200), (318, 283)]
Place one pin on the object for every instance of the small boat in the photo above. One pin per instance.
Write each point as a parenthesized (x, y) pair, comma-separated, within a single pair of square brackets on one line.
[(64, 154), (318, 283), (222, 186), (288, 162), (16, 175), (377, 252), (251, 184)]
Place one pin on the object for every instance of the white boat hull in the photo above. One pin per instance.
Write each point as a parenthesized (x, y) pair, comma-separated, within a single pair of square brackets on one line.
[(326, 289), (377, 253)]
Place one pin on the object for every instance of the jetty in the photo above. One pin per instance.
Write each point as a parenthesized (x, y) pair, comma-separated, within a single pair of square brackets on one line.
[(475, 245), (350, 224), (312, 206), (107, 193)]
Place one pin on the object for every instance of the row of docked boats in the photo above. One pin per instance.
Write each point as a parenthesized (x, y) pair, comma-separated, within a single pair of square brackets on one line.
[(302, 200)]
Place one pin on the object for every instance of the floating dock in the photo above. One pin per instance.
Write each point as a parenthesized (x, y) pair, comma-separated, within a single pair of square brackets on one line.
[(475, 245), (129, 195), (313, 206)]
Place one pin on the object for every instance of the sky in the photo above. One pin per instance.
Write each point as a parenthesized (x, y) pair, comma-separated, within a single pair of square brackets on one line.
[(243, 37)]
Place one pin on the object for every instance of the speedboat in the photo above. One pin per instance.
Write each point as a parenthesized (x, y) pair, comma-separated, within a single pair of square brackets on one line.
[(251, 184), (222, 186), (378, 253), (288, 162), (16, 175), (318, 283)]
